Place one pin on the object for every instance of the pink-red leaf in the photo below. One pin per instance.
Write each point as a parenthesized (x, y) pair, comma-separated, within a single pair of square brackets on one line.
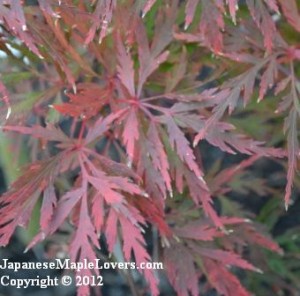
[(48, 206), (211, 25), (198, 231), (180, 144), (49, 133), (264, 21), (102, 125), (149, 60), (291, 12), (125, 67), (222, 280), (101, 18), (190, 9), (181, 270), (131, 132), (147, 7), (158, 155)]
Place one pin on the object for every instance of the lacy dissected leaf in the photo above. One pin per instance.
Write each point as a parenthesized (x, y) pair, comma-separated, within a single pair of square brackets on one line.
[(197, 230), (180, 144), (49, 133), (113, 168), (201, 196), (107, 190), (211, 25), (196, 242), (227, 258), (181, 270), (56, 49), (192, 4), (228, 102), (154, 214), (86, 103), (198, 190), (154, 182), (222, 280), (131, 132), (264, 21), (125, 67), (135, 241), (48, 205), (100, 20), (110, 187), (268, 78), (178, 73), (229, 97), (85, 233), (62, 39), (12, 15), (154, 148), (98, 212), (64, 207), (163, 32), (142, 95), (226, 138), (85, 238), (81, 247), (290, 102), (136, 244), (60, 35), (131, 222), (102, 125), (149, 58), (223, 178), (253, 234), (223, 135), (19, 201)]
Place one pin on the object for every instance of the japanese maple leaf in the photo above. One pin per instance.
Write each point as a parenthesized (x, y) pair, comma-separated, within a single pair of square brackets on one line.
[(101, 18), (86, 103), (12, 14), (19, 201)]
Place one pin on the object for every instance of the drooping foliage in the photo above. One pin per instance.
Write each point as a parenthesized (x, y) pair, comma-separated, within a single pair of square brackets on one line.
[(114, 99)]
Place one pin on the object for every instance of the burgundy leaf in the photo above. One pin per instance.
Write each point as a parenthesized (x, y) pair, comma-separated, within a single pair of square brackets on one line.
[(181, 270)]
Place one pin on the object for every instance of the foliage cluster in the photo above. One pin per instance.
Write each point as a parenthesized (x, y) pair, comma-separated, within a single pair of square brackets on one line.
[(120, 104)]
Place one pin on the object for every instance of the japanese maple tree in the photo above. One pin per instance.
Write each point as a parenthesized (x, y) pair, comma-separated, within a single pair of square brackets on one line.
[(114, 98)]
